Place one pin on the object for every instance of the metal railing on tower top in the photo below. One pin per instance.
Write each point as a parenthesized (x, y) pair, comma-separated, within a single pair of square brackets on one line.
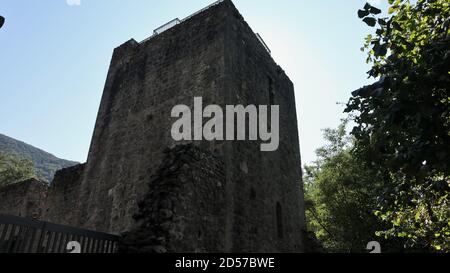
[(177, 21)]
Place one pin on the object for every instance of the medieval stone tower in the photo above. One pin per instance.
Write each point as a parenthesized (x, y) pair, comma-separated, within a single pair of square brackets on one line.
[(191, 196)]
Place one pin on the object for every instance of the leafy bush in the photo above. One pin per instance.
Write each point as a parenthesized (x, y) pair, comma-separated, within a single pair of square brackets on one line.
[(402, 121), (14, 169)]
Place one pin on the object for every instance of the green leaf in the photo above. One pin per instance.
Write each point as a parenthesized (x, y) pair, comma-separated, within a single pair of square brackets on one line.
[(367, 6), (362, 13), (381, 50), (382, 22), (392, 10), (370, 21), (374, 10), (417, 216), (397, 26)]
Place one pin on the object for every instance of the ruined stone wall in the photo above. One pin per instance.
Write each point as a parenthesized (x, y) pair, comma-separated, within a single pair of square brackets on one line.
[(63, 200), (58, 203), (26, 199), (184, 207)]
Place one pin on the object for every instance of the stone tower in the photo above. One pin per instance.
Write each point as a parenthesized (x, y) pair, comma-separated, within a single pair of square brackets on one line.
[(199, 196)]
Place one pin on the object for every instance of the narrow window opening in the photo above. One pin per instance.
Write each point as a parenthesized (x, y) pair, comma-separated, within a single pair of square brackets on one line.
[(252, 194), (279, 221)]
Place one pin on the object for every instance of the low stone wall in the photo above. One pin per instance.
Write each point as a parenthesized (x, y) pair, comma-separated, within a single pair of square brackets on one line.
[(27, 199), (64, 196), (57, 203)]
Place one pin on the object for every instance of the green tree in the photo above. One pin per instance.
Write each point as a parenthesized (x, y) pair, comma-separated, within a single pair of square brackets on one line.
[(340, 197), (403, 120), (14, 169)]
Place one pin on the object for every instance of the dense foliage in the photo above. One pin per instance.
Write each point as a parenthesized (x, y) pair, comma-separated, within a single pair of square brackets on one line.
[(46, 164), (340, 197), (403, 121), (14, 169), (393, 179)]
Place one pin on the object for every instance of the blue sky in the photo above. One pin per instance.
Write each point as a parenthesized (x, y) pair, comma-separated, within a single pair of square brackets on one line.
[(54, 58)]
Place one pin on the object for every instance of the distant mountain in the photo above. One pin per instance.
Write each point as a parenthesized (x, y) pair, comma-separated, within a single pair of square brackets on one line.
[(46, 164)]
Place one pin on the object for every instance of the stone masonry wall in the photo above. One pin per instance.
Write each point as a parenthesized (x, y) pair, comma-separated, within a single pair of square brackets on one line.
[(26, 199), (134, 121), (265, 189), (63, 200), (184, 207), (219, 196), (214, 55)]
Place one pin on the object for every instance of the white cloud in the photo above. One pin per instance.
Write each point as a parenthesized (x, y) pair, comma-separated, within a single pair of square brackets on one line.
[(73, 2)]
